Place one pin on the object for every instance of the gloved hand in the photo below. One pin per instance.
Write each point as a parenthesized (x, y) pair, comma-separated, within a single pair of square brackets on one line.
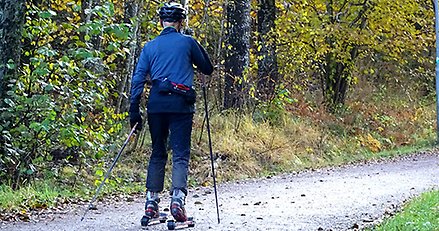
[(135, 117)]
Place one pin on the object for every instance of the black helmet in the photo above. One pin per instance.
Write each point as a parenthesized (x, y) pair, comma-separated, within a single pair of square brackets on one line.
[(172, 12)]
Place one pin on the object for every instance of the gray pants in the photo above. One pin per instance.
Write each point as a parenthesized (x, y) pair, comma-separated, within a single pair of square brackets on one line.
[(179, 127)]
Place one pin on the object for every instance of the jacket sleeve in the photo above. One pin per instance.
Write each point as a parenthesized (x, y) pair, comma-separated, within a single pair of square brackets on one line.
[(200, 58), (139, 80)]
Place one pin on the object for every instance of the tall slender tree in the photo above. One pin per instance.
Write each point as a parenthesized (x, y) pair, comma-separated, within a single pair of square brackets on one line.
[(86, 7), (132, 10), (237, 54), (267, 58), (11, 23), (12, 13)]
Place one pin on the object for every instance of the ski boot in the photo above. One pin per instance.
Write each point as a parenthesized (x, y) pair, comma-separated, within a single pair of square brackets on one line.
[(179, 213), (177, 206), (152, 214)]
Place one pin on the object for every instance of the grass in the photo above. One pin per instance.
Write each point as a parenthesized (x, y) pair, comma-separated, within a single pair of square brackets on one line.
[(420, 214), (18, 204), (38, 195), (48, 193)]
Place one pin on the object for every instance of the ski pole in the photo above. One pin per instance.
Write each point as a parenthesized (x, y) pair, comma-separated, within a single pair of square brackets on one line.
[(108, 172), (206, 111), (202, 130)]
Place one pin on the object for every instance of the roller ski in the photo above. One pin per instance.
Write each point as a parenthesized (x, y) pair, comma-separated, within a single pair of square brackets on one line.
[(148, 221), (152, 215), (175, 225), (180, 221)]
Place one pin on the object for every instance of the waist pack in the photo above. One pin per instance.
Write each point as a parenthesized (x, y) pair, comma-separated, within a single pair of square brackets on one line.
[(166, 86)]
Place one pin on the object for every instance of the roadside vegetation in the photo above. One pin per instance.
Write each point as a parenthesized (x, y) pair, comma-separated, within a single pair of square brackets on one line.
[(245, 146), (421, 214)]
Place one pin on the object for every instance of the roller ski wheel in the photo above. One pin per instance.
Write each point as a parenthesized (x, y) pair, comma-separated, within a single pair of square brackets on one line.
[(191, 222), (175, 225), (171, 225), (144, 221), (148, 221)]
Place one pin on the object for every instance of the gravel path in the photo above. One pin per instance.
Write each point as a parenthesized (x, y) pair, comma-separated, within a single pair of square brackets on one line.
[(346, 198)]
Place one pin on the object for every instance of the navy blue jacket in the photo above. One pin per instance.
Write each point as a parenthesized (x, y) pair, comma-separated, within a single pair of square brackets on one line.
[(170, 56)]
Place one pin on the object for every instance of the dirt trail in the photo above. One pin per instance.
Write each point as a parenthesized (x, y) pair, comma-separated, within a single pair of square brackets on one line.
[(345, 198)]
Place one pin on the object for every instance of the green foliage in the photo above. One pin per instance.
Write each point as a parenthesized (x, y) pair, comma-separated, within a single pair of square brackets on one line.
[(275, 110), (61, 99)]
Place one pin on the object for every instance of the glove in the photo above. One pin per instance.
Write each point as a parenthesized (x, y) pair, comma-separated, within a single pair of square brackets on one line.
[(135, 117)]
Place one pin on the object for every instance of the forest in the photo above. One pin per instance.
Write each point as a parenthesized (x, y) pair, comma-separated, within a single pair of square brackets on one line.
[(297, 84)]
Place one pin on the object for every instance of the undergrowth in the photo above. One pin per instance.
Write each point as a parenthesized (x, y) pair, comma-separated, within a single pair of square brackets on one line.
[(298, 137)]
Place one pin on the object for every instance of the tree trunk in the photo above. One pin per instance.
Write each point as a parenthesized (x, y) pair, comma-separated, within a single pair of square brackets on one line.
[(337, 72), (237, 54), (336, 82), (267, 61), (11, 23), (132, 9)]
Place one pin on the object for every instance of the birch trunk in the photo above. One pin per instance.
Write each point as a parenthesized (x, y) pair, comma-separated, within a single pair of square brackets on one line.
[(132, 8)]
